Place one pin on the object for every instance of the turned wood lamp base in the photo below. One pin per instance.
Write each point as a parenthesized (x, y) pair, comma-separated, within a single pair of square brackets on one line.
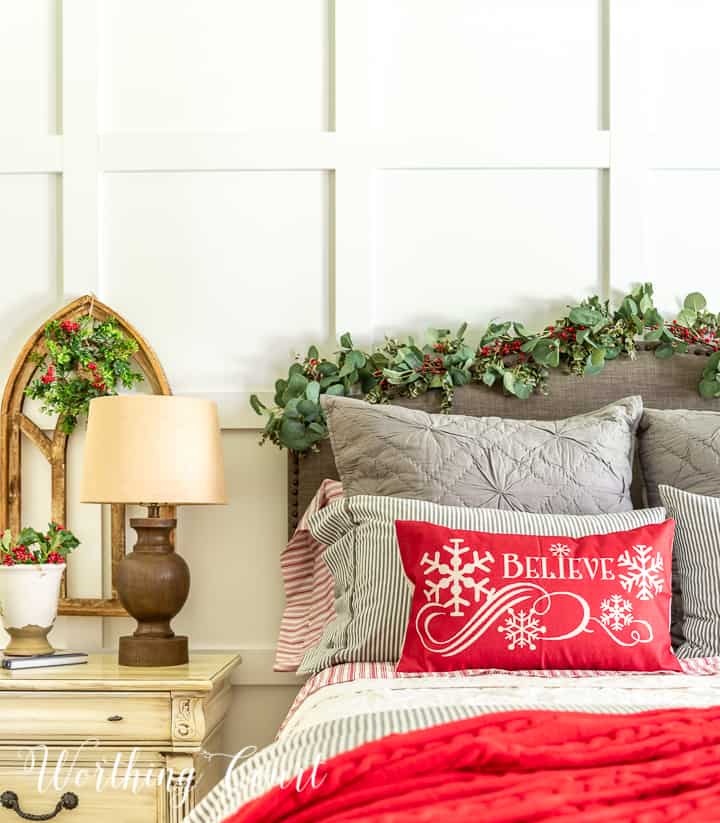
[(153, 583)]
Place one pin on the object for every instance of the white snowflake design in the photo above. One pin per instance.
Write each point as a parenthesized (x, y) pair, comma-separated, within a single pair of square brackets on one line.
[(457, 576), (644, 572), (521, 629), (616, 612), (559, 550)]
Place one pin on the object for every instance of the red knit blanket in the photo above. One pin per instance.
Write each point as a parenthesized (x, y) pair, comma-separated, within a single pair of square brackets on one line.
[(518, 766)]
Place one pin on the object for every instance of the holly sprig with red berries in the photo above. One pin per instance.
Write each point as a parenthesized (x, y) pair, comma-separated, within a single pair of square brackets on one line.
[(31, 547), (507, 356), (85, 359)]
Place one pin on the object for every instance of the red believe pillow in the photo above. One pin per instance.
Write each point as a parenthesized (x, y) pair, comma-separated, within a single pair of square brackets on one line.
[(508, 601)]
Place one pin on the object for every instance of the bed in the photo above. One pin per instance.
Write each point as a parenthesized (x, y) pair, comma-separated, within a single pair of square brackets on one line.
[(413, 728)]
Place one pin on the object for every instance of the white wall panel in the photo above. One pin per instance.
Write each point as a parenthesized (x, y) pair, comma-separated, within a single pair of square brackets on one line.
[(223, 272), (28, 259), (213, 65), (480, 65), (28, 59), (686, 65), (474, 245), (682, 235)]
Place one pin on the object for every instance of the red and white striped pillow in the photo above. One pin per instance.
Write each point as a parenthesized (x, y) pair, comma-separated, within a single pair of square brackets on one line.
[(308, 584)]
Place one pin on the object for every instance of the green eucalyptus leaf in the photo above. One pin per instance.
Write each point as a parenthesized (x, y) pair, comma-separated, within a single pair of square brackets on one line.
[(308, 409), (297, 385), (583, 335), (522, 390), (312, 392), (664, 350), (326, 368), (713, 364), (356, 358), (645, 304), (337, 389), (584, 316), (329, 381), (291, 411), (687, 317), (257, 406), (653, 317), (489, 377), (412, 357), (293, 435), (709, 388), (509, 382), (459, 377), (695, 302), (655, 334), (547, 353)]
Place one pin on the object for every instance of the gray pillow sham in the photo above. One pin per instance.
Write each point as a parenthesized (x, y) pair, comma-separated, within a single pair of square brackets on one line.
[(372, 594), (679, 448), (696, 549), (579, 465)]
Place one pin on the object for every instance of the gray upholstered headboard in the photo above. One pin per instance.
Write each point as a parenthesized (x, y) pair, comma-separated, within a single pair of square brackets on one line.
[(663, 384)]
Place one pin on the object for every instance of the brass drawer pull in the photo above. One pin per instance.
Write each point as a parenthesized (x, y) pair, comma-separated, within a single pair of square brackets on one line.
[(10, 800), (114, 718)]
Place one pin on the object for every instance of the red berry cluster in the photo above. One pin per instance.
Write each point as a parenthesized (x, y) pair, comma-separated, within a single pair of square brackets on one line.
[(440, 347), (704, 336), (98, 382), (20, 554), (49, 376), (54, 557), (503, 349), (568, 334), (69, 327), (432, 365)]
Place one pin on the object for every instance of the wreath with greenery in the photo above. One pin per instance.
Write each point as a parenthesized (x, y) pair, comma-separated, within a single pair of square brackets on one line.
[(85, 359), (508, 356)]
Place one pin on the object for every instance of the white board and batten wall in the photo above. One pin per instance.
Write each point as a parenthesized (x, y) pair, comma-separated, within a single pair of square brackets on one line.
[(240, 178)]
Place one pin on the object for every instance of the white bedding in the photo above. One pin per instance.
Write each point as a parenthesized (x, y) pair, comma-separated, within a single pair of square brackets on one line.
[(597, 694), (351, 704)]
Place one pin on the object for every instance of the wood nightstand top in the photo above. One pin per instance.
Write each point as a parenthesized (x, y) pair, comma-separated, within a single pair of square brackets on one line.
[(102, 673)]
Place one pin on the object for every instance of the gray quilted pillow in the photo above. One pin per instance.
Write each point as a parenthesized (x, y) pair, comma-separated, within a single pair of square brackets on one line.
[(580, 465), (680, 448)]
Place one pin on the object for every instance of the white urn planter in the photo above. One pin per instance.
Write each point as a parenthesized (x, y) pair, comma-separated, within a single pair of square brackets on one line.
[(29, 605)]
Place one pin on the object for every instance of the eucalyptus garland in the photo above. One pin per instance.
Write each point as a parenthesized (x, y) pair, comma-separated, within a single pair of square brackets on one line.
[(508, 356), (86, 358)]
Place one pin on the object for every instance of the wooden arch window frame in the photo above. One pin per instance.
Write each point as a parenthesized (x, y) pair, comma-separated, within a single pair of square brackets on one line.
[(14, 424)]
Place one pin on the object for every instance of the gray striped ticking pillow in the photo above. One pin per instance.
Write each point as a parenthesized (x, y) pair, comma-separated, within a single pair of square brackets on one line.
[(372, 594), (696, 549)]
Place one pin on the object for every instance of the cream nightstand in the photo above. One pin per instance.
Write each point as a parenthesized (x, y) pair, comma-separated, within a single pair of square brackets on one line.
[(87, 724)]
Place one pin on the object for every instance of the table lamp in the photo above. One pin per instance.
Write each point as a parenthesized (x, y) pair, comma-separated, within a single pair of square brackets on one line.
[(153, 450)]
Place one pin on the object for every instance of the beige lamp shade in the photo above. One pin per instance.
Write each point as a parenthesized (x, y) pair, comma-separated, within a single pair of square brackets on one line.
[(153, 449)]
